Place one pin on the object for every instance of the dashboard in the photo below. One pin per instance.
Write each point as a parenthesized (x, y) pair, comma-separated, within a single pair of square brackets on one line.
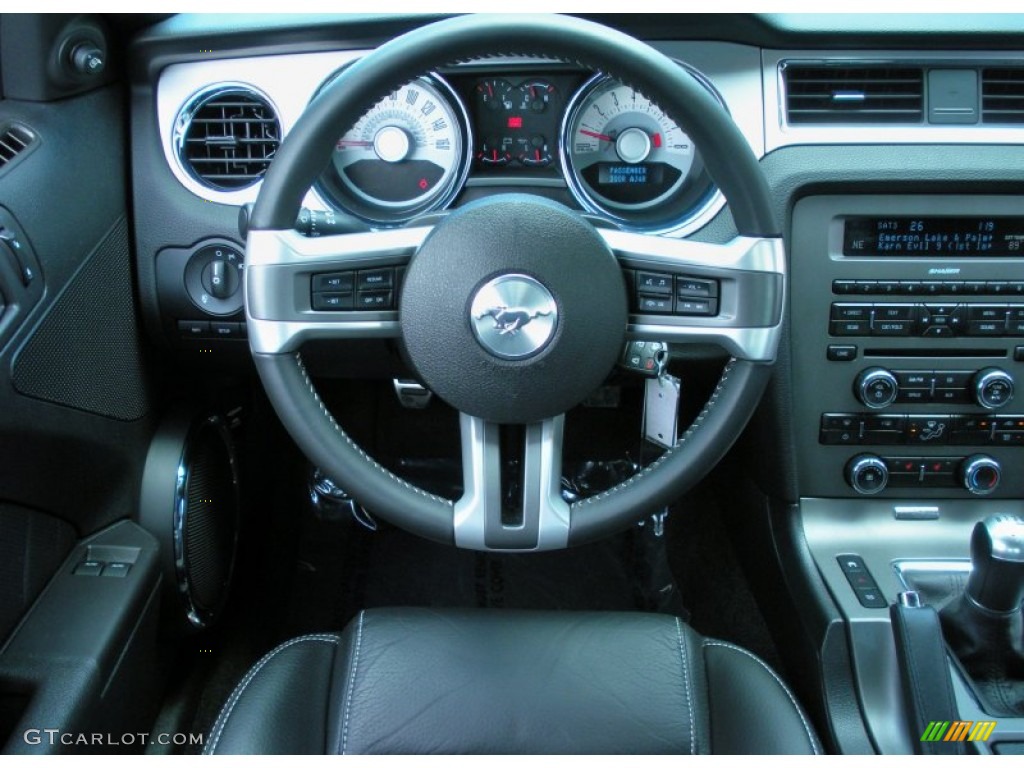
[(517, 123)]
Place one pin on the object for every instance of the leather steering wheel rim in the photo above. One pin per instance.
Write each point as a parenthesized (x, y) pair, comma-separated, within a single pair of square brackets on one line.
[(306, 151)]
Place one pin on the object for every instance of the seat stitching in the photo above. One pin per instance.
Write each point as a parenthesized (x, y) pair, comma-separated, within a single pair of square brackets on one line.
[(352, 683), (778, 680), (229, 707), (690, 432), (362, 454), (686, 686)]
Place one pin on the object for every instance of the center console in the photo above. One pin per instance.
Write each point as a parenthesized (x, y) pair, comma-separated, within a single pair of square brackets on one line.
[(908, 346), (907, 333)]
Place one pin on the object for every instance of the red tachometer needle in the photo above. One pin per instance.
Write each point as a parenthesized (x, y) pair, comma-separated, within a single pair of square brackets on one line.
[(595, 135)]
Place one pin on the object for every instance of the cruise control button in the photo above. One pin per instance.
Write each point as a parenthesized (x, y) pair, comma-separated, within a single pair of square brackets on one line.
[(332, 301), (333, 281), (373, 300), (376, 278)]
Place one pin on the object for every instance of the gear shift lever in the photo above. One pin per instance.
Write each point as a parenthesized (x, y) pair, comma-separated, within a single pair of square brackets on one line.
[(984, 626), (997, 558)]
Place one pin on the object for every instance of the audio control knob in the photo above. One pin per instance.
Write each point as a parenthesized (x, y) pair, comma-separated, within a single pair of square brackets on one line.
[(993, 388), (980, 474), (867, 474), (876, 387)]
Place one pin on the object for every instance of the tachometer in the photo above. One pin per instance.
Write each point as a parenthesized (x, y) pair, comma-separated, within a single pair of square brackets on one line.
[(625, 158), (407, 155)]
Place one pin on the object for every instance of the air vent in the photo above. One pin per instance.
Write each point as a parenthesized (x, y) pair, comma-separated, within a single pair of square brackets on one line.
[(227, 138), (861, 94), (13, 140), (1002, 95)]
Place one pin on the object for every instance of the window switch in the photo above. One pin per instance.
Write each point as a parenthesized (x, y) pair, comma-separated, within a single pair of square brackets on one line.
[(89, 568), (117, 570)]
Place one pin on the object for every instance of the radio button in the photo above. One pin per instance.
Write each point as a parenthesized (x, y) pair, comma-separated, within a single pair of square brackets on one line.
[(844, 286), (895, 312), (986, 328), (892, 328), (866, 287), (932, 288), (1017, 287), (911, 287), (914, 379), (850, 328), (888, 287), (914, 396), (953, 287), (851, 311), (975, 287), (1015, 322), (939, 331), (952, 379), (997, 287), (841, 353), (987, 312), (951, 396)]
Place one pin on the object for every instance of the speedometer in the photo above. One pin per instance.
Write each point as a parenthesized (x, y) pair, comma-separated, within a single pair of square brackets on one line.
[(626, 159), (407, 155)]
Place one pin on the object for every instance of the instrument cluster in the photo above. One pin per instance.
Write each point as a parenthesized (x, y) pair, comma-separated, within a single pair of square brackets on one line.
[(613, 150)]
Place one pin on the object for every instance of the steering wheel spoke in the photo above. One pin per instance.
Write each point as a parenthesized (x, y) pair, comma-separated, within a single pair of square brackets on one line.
[(730, 295), (302, 288), (539, 517)]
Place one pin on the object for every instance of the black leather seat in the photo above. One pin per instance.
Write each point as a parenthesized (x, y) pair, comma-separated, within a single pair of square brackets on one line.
[(425, 681)]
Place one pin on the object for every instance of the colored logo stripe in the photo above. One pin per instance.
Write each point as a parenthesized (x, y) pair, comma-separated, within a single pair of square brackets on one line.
[(958, 730), (982, 730)]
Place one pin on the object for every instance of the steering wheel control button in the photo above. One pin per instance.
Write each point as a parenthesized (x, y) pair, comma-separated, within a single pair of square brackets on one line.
[(876, 387), (514, 309), (334, 281), (333, 302), (513, 316), (690, 287), (655, 305), (374, 300), (376, 278), (651, 282)]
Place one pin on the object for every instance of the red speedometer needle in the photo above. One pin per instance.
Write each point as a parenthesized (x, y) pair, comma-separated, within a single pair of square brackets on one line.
[(595, 135)]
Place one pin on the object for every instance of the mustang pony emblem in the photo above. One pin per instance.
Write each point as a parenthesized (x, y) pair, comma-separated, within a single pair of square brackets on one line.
[(509, 321)]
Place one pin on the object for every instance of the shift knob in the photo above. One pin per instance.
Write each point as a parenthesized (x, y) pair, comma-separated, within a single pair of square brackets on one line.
[(997, 559)]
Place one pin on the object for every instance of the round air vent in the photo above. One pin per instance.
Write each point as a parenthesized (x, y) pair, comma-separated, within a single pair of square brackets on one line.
[(227, 136)]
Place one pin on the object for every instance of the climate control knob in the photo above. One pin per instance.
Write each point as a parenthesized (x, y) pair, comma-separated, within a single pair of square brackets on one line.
[(980, 474), (876, 387), (867, 474), (993, 388)]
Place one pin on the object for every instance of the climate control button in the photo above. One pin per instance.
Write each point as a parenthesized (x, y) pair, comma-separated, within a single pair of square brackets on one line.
[(867, 474), (980, 474)]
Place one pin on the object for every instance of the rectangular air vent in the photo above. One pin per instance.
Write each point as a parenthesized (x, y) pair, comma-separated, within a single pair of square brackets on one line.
[(849, 93), (13, 140), (1002, 95)]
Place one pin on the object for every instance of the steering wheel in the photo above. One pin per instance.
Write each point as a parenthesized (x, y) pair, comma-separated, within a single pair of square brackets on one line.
[(514, 308)]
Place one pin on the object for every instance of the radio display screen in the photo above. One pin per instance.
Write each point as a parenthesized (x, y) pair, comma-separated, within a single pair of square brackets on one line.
[(933, 236)]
